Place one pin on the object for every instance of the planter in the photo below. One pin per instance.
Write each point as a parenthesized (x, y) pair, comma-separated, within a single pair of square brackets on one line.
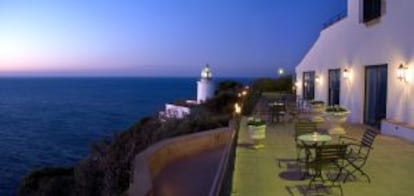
[(336, 119), (317, 110), (256, 134)]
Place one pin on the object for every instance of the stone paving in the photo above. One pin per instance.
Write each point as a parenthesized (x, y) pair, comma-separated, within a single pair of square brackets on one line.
[(189, 176), (257, 173)]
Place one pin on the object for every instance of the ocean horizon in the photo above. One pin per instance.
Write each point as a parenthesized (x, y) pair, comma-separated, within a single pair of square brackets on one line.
[(52, 121)]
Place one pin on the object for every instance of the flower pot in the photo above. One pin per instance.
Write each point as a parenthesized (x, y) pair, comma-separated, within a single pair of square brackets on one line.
[(317, 110), (256, 134), (336, 119)]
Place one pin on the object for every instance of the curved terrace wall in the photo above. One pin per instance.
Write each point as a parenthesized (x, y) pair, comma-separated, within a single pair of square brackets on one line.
[(149, 163)]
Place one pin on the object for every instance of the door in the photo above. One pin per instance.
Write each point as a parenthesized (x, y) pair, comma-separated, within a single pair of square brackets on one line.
[(375, 95), (308, 85), (334, 86)]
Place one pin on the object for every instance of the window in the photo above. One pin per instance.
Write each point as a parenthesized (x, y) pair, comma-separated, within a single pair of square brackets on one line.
[(371, 10), (308, 85)]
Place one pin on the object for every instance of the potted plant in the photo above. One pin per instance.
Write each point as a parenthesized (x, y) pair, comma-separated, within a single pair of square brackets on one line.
[(256, 131), (317, 108), (336, 115)]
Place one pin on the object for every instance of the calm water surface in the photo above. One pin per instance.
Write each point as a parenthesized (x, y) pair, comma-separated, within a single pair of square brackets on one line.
[(52, 121)]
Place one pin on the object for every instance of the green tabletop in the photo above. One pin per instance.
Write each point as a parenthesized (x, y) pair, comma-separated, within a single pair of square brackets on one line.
[(312, 137)]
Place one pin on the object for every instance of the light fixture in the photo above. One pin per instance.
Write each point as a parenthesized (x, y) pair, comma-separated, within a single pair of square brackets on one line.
[(346, 73), (237, 108), (318, 78), (402, 73), (295, 84)]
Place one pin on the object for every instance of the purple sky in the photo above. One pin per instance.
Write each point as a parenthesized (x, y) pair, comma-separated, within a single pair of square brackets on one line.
[(238, 38)]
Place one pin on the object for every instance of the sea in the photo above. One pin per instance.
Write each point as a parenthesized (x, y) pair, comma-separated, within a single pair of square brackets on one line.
[(48, 122)]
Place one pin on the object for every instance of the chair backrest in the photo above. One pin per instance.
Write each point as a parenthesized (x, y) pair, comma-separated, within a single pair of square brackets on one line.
[(279, 108), (330, 153), (302, 128), (368, 137)]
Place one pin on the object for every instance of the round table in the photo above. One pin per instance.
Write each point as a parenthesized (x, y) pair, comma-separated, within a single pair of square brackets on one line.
[(315, 137)]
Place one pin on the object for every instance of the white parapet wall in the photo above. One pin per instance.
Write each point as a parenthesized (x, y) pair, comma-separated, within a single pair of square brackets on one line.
[(398, 129), (149, 163)]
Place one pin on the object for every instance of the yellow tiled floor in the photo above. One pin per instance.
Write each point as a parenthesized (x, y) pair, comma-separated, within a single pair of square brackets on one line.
[(390, 166)]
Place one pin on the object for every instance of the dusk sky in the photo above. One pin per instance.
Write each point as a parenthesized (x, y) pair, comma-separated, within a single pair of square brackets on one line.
[(238, 38)]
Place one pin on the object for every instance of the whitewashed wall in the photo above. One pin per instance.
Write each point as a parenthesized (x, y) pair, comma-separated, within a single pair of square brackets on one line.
[(176, 111), (205, 90), (352, 44)]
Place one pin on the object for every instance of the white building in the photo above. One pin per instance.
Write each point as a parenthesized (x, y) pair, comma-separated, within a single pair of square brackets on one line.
[(205, 86), (177, 110), (364, 62), (205, 90)]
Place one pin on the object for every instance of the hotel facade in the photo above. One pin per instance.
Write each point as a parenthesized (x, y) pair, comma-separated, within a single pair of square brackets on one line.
[(364, 61)]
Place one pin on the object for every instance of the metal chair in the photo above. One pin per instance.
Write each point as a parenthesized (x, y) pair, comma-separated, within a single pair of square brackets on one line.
[(358, 153), (302, 128), (327, 158)]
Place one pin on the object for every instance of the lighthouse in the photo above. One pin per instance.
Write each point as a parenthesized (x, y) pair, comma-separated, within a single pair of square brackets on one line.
[(205, 86)]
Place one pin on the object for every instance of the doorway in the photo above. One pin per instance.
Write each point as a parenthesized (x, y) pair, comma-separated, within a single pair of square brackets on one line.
[(334, 85), (375, 95)]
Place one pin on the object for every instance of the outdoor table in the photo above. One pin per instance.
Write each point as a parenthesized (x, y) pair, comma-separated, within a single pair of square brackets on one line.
[(276, 103), (315, 138), (310, 141)]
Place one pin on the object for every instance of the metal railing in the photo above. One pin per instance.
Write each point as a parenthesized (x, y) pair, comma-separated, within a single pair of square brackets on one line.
[(222, 185), (334, 19)]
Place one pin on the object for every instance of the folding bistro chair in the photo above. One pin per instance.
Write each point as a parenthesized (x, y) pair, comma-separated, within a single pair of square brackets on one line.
[(302, 128), (358, 153), (327, 158)]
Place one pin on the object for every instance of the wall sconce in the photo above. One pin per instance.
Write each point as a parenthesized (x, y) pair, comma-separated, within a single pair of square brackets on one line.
[(295, 85), (402, 73), (346, 73), (318, 79), (237, 108)]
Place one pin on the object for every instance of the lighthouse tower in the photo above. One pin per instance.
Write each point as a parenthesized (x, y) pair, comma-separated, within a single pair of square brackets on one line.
[(205, 86)]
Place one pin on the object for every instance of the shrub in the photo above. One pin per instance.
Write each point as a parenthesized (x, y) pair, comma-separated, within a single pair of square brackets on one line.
[(336, 109), (255, 122), (228, 86), (316, 102), (250, 102), (48, 181), (281, 84)]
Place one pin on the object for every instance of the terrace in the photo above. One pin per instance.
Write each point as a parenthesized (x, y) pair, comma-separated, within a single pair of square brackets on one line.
[(257, 172)]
